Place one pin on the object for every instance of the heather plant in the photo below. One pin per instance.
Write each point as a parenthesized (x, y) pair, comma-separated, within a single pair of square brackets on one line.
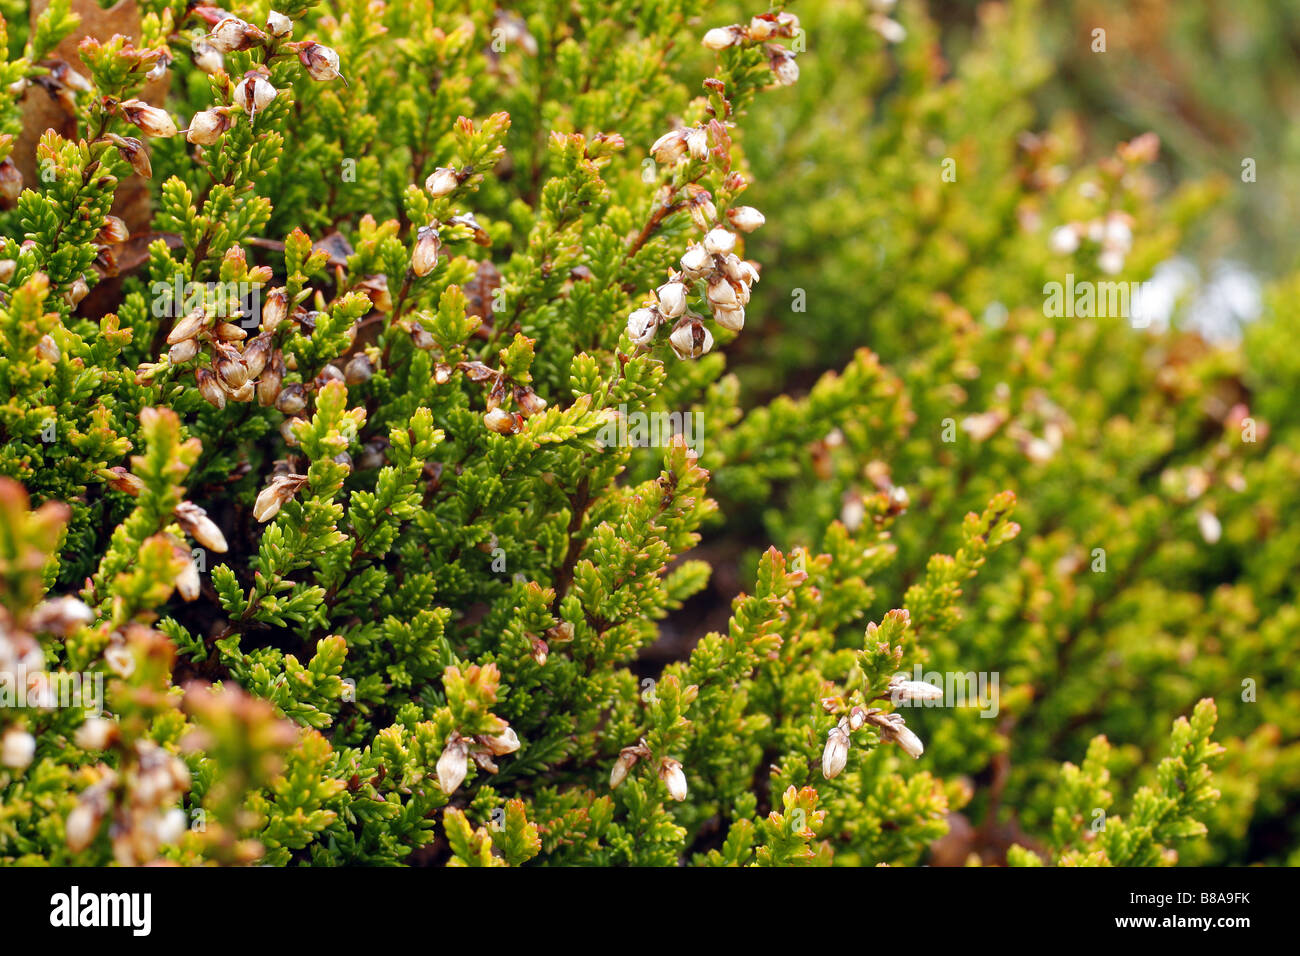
[(328, 534)]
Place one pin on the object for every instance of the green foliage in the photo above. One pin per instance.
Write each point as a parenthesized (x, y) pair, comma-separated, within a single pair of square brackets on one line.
[(371, 572)]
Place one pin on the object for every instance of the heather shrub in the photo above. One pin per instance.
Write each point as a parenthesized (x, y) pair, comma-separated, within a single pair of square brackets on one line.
[(377, 490)]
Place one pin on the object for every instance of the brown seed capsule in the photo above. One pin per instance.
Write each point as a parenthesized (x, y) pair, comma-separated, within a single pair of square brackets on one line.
[(330, 373), (268, 386), (287, 431), (499, 421), (151, 120), (292, 399), (209, 388), (78, 291), (133, 152), (229, 332), (182, 352), (114, 231), (187, 327), (359, 369), (425, 257), (529, 402), (230, 368), (275, 309), (256, 354)]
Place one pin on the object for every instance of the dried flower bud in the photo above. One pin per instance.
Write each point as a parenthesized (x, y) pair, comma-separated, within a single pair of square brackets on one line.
[(836, 755), (453, 765), (719, 38), (696, 261), (358, 370), (253, 94), (670, 772), (7, 269), (123, 480), (721, 293), (133, 152), (47, 349), (61, 616), (672, 299), (207, 127), (97, 733), (275, 495), (278, 25), (760, 28), (719, 242), (209, 388), (150, 119), (642, 325), (289, 431), (506, 742), (894, 728), (200, 527), (499, 421), (529, 402), (745, 218), (697, 143), (670, 147), (268, 386), (442, 182), (903, 690), (257, 353), (624, 763), (231, 34), (187, 581), (207, 57), (427, 246), (78, 291), (690, 339), (785, 69), (321, 62), (11, 183), (230, 368), (292, 399), (733, 320), (739, 270)]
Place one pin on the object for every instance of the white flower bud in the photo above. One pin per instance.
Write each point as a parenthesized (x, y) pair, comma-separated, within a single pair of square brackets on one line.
[(690, 340), (453, 765), (278, 25), (81, 827), (672, 299), (442, 182), (719, 38), (254, 94), (670, 147), (719, 241), (670, 772), (785, 69), (1111, 261), (901, 690), (696, 261), (836, 755), (95, 734), (172, 826), (320, 61), (200, 527), (207, 126), (1210, 527), (697, 142), (731, 319), (18, 748), (745, 218), (721, 293), (642, 325), (891, 30), (1063, 240)]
